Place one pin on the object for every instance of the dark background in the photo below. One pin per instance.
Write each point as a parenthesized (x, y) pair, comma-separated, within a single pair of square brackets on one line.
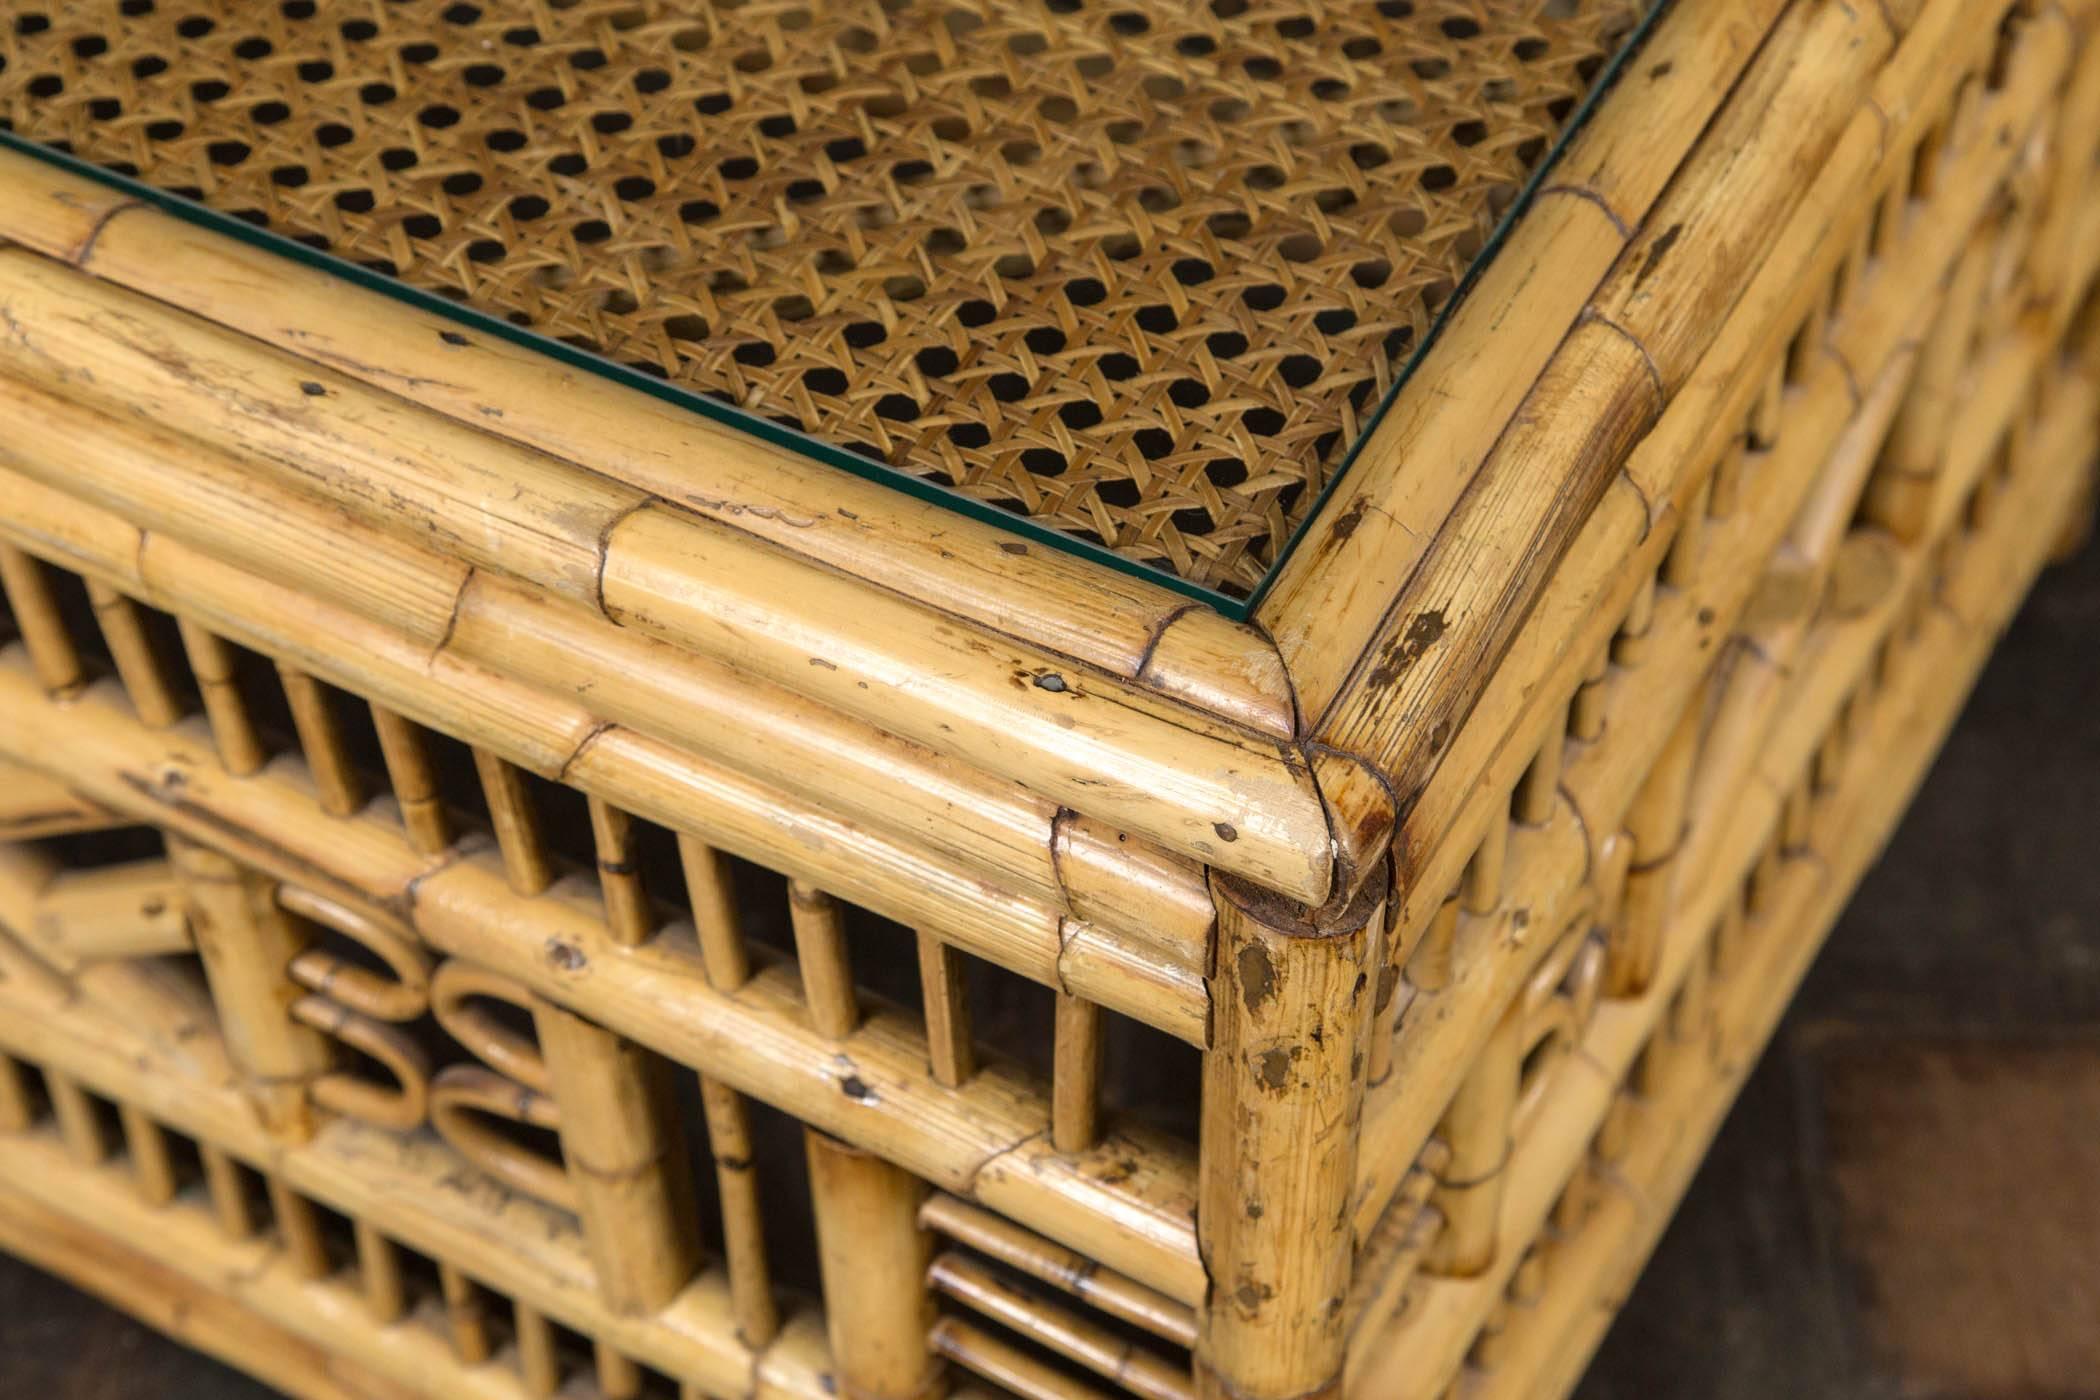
[(1906, 1200)]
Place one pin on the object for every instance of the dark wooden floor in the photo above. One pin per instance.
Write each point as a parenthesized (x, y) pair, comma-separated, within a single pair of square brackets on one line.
[(1906, 1200)]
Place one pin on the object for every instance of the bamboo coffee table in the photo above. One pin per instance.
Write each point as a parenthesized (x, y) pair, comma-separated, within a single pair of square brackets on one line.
[(1033, 697)]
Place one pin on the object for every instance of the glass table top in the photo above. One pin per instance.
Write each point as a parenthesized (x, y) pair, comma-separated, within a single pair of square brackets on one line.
[(1132, 278)]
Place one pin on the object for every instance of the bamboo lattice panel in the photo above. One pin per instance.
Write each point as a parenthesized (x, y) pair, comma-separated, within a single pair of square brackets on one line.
[(1135, 270)]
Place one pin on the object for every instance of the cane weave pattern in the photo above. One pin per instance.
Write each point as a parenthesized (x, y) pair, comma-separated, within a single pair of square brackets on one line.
[(1135, 270)]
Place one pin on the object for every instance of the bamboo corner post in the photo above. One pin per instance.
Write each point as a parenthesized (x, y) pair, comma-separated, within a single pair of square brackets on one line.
[(1283, 1095), (873, 1254), (248, 944), (621, 1141)]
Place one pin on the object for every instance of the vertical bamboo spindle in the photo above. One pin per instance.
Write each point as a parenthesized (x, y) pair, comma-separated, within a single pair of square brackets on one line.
[(539, 1360), (517, 824), (1899, 494), (466, 1312), (820, 948), (146, 1144), (1477, 1128), (321, 740), (225, 1183), (1586, 713), (626, 1158), (139, 666), (35, 607), (232, 728), (379, 1274), (1075, 1080), (247, 944), (873, 1257), (1538, 791), (618, 1377), (1386, 1001), (1283, 1093), (1481, 889), (1654, 823), (15, 1109), (79, 1124), (711, 889), (298, 1230), (949, 1047), (1681, 564), (1629, 647), (1430, 967), (743, 1227), (415, 787), (627, 914), (1728, 939)]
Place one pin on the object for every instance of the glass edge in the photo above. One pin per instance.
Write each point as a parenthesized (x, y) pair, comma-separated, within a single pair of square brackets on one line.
[(1607, 79), (591, 362), (743, 420)]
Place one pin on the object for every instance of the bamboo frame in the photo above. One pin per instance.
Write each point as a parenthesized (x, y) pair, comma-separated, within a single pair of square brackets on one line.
[(1466, 832)]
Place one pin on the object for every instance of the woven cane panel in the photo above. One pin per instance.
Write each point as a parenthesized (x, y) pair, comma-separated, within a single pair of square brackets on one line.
[(1137, 270)]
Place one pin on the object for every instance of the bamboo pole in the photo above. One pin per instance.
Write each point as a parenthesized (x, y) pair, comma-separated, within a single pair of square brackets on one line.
[(407, 759), (321, 740), (299, 1237), (626, 1157), (1477, 1126), (466, 1314), (951, 1053), (1091, 1345), (1655, 825), (1075, 1080), (1008, 1367), (710, 887), (139, 664), (247, 946), (133, 910), (1076, 1274), (627, 910), (517, 823), (820, 952), (34, 805), (35, 610), (743, 1224), (16, 1111), (539, 1363), (79, 1120), (232, 729), (379, 1274), (874, 1258), (228, 1189), (1283, 1089), (146, 1145)]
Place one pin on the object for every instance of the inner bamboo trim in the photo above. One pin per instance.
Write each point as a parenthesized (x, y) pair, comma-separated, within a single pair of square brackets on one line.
[(1136, 274)]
